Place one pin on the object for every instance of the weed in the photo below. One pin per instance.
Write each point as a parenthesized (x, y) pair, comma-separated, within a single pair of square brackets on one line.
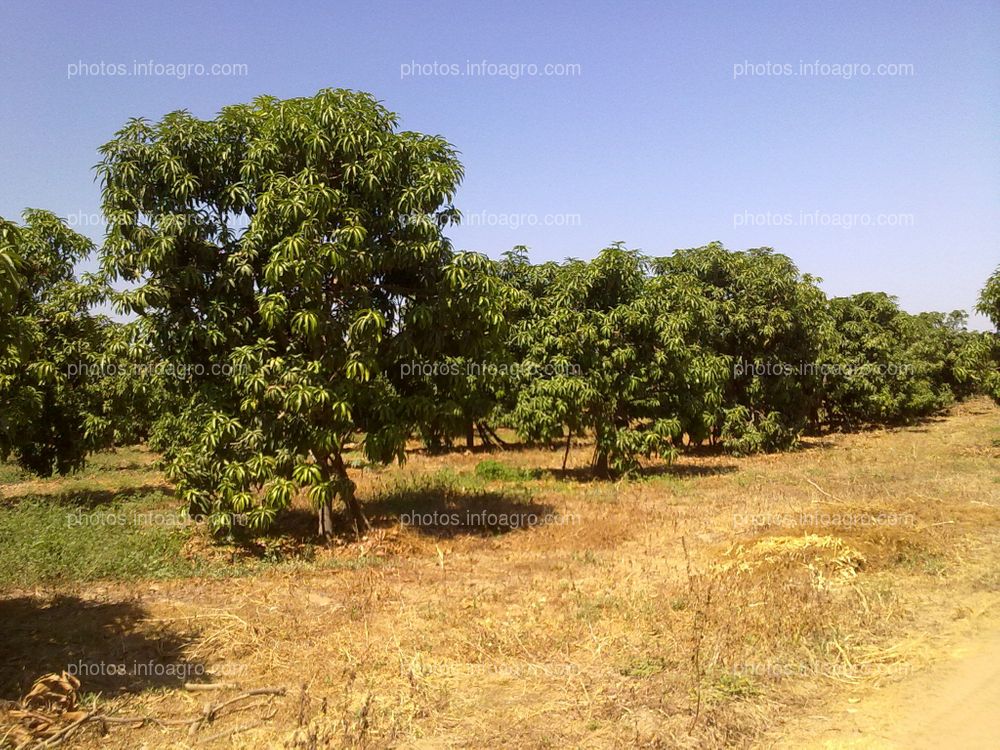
[(735, 686), (497, 471)]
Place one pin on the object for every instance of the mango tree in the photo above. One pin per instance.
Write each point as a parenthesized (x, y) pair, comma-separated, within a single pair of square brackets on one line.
[(885, 365), (768, 321), (604, 348), (290, 259), (51, 347), (986, 349)]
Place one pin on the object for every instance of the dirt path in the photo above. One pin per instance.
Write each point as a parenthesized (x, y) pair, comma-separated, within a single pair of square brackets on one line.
[(955, 704)]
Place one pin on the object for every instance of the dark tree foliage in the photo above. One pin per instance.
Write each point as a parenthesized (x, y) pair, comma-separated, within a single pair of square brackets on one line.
[(770, 323), (605, 347), (888, 366)]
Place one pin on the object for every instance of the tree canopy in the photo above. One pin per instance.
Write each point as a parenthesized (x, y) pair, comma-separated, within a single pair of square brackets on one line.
[(290, 258)]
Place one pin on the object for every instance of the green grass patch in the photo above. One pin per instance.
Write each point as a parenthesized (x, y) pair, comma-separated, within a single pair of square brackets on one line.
[(646, 667), (497, 471), (735, 687), (11, 473), (46, 539), (60, 539)]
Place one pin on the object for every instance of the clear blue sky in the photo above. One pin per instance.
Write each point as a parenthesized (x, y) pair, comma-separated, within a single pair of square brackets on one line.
[(661, 139)]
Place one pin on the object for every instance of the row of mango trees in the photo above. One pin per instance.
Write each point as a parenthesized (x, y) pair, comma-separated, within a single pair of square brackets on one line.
[(292, 300)]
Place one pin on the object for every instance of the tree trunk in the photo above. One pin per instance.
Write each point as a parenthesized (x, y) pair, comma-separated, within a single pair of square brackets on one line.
[(470, 435), (484, 436), (493, 433), (569, 439), (325, 513), (601, 465), (353, 507)]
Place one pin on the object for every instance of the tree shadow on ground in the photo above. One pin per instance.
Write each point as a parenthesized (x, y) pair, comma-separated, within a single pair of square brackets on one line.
[(85, 498), (109, 646), (448, 512), (482, 450), (130, 466), (680, 471), (909, 424), (809, 441), (435, 510)]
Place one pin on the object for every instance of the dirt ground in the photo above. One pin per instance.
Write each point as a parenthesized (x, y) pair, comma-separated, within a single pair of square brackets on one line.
[(954, 704), (773, 601)]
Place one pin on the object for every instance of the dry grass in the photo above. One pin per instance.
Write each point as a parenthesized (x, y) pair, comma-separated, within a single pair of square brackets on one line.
[(697, 607)]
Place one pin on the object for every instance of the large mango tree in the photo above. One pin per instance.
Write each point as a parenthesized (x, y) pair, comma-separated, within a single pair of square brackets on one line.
[(290, 259)]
